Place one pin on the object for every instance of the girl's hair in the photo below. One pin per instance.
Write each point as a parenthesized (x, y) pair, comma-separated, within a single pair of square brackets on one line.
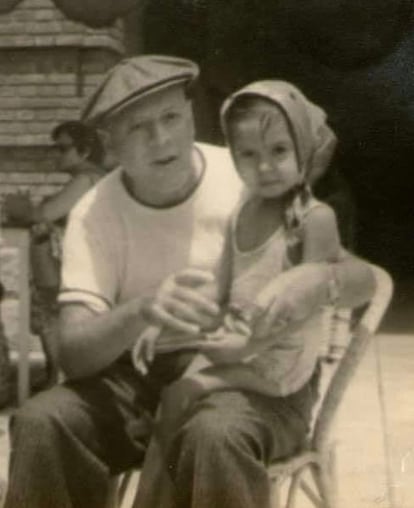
[(85, 138), (245, 108)]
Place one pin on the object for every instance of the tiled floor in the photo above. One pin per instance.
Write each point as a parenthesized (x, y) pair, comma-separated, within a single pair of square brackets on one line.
[(374, 430)]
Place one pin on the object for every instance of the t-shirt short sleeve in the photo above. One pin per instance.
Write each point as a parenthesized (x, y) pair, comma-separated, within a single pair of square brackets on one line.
[(88, 272)]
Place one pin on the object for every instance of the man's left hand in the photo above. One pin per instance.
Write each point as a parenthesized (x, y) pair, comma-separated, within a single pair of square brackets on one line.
[(291, 298)]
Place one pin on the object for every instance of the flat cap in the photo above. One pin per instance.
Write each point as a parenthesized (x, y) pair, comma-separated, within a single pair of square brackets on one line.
[(134, 78)]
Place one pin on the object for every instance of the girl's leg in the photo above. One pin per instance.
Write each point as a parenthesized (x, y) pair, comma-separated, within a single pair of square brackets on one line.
[(219, 456)]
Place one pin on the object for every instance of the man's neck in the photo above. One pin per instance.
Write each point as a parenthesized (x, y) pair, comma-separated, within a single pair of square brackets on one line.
[(173, 198)]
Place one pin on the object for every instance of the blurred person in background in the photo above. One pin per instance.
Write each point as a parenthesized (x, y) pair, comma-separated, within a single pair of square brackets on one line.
[(80, 154)]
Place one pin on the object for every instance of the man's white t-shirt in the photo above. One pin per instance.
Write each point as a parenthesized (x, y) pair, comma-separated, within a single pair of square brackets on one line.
[(116, 248)]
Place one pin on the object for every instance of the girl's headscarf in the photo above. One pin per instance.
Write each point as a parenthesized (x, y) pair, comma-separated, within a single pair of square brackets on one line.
[(314, 140)]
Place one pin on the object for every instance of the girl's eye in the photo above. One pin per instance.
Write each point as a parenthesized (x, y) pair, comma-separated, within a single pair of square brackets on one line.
[(246, 154), (279, 150)]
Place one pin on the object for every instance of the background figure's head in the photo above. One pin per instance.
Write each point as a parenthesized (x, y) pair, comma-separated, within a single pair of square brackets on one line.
[(144, 105), (76, 143), (280, 109)]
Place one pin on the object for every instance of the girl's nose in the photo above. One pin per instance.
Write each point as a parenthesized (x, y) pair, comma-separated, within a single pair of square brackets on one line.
[(264, 166)]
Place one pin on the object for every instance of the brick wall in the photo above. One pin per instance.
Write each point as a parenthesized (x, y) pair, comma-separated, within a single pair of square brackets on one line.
[(40, 23), (48, 66)]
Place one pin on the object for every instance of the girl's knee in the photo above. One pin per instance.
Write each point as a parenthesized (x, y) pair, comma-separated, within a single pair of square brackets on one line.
[(208, 426), (215, 429)]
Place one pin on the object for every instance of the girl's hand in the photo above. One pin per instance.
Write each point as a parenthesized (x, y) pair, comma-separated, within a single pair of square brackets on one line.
[(227, 346), (182, 303)]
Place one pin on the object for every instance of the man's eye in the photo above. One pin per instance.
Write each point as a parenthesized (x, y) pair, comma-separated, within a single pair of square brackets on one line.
[(171, 117), (135, 127), (246, 154)]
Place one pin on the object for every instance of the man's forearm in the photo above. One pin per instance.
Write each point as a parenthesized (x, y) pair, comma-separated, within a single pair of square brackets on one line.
[(90, 342)]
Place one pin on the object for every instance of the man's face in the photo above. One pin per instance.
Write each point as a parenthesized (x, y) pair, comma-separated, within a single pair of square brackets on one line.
[(153, 142)]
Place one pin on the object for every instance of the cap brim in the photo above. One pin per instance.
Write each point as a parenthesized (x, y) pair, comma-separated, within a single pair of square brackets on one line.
[(138, 96)]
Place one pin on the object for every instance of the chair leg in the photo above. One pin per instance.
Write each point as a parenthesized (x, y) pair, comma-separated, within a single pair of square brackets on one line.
[(310, 494), (296, 483), (123, 486), (293, 489), (117, 489), (325, 483), (275, 493), (112, 500)]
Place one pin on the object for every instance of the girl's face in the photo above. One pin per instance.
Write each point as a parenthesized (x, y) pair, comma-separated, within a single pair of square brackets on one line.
[(264, 152)]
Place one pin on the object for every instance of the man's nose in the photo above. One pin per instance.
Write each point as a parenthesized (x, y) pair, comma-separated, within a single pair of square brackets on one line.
[(160, 135)]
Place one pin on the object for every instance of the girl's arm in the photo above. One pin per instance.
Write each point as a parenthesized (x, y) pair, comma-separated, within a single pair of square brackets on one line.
[(321, 241), (178, 396)]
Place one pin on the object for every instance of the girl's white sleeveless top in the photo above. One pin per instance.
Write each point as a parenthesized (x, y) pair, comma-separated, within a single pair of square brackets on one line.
[(290, 363)]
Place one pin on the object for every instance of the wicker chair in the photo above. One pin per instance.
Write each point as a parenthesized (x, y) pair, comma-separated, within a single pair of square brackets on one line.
[(318, 455)]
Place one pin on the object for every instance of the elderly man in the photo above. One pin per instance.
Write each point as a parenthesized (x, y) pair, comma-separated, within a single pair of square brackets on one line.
[(139, 248)]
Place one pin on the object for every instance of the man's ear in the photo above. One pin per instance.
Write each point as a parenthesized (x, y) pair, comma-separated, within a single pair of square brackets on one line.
[(107, 138), (104, 134)]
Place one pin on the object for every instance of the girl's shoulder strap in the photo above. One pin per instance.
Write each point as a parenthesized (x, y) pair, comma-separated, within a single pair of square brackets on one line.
[(311, 205), (296, 217)]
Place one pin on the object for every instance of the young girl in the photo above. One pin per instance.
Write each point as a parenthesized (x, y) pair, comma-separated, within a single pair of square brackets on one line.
[(279, 142)]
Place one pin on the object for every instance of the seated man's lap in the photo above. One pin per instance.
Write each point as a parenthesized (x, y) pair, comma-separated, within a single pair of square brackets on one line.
[(110, 414), (270, 427)]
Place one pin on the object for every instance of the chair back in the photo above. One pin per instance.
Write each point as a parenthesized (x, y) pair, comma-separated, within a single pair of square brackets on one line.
[(362, 330)]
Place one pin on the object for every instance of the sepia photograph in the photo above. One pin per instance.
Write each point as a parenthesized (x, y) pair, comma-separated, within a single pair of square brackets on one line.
[(206, 254)]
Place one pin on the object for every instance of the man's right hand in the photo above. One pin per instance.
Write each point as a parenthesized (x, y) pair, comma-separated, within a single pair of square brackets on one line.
[(143, 352), (185, 302)]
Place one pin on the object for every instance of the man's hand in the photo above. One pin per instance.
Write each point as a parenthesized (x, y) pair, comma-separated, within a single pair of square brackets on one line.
[(185, 302), (291, 298), (143, 352)]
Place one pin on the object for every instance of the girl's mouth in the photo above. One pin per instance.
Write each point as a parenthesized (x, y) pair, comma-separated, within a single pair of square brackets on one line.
[(264, 183)]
